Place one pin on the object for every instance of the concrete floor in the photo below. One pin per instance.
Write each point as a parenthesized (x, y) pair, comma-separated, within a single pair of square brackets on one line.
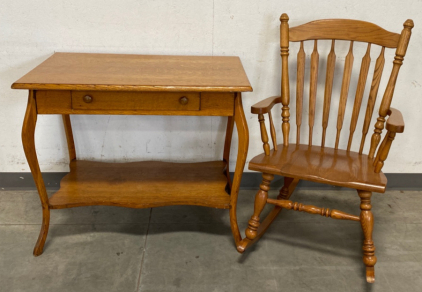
[(184, 248)]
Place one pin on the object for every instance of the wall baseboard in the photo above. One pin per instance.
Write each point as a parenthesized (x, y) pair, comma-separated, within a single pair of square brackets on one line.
[(396, 181), (250, 180)]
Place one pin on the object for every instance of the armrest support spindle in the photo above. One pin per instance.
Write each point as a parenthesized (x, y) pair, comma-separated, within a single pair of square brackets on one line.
[(395, 124), (264, 135), (272, 131)]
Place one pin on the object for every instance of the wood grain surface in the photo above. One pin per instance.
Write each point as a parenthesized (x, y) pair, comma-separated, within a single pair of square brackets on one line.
[(313, 89), (364, 68), (348, 64), (28, 142), (325, 165), (395, 122), (376, 78), (116, 103), (299, 89), (142, 185), (149, 101), (80, 71), (344, 29)]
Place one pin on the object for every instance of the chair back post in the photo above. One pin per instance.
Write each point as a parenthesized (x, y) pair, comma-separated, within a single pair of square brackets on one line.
[(388, 94), (285, 91)]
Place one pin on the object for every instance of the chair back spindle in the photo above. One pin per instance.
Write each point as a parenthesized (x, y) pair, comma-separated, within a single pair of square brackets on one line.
[(348, 64), (313, 89), (329, 78), (379, 66), (299, 89), (364, 68)]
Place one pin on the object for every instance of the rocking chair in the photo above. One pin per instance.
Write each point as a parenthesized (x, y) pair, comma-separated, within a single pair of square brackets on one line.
[(323, 164)]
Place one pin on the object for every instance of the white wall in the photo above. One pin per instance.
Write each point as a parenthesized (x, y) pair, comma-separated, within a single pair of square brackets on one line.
[(30, 31)]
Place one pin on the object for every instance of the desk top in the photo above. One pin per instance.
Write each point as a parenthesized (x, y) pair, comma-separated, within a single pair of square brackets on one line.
[(116, 72)]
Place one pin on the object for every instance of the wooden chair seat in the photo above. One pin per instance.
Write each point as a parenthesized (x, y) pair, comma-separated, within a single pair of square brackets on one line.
[(323, 165)]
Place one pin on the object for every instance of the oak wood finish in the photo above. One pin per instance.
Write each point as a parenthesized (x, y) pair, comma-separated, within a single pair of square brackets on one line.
[(117, 72), (69, 137), (264, 106), (28, 141), (383, 152), (142, 185), (367, 222), (395, 122), (260, 201), (285, 192), (313, 89), (242, 146), (344, 29), (321, 164), (60, 102), (148, 101), (226, 152), (364, 68), (329, 78), (324, 164), (69, 84), (264, 135), (299, 89), (344, 91), (380, 149), (272, 131), (285, 91), (379, 66), (335, 214), (388, 94)]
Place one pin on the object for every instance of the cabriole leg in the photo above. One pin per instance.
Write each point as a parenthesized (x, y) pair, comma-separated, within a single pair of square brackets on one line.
[(243, 144), (367, 222), (28, 141)]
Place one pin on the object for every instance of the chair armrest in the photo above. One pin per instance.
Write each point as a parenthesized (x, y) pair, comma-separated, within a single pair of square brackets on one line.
[(264, 106), (395, 121)]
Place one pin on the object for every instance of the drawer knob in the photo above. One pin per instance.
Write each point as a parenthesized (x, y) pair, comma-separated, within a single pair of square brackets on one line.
[(184, 100), (87, 98)]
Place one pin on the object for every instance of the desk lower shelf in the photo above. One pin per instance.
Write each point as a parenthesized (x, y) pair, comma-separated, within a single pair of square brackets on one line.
[(142, 185)]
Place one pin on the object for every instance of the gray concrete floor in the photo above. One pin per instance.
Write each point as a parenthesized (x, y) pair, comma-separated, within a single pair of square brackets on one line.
[(184, 248)]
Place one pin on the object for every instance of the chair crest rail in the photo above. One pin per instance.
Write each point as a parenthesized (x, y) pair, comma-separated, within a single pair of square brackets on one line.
[(344, 29)]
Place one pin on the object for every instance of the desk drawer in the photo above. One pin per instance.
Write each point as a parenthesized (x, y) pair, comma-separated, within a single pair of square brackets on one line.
[(148, 101)]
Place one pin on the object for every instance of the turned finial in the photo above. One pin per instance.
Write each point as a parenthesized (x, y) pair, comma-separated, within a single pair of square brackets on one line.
[(407, 23), (284, 17)]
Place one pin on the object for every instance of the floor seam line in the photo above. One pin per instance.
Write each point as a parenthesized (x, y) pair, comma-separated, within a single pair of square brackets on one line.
[(143, 253)]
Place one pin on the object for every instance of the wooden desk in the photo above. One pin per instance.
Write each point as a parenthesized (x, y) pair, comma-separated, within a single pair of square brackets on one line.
[(69, 83)]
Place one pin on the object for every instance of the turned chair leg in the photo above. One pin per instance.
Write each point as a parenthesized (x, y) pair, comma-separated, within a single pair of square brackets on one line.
[(260, 201), (367, 222), (284, 193)]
